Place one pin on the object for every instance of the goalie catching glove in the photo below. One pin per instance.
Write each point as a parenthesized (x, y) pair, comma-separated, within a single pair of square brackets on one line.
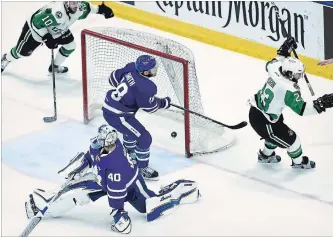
[(76, 168), (323, 103)]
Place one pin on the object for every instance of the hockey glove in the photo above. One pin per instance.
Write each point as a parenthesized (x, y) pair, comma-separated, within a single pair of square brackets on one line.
[(287, 46), (76, 168), (323, 103), (49, 41), (121, 221), (106, 11), (165, 103)]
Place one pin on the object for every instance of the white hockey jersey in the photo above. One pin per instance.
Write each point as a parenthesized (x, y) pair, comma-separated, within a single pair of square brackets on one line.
[(279, 92), (54, 19)]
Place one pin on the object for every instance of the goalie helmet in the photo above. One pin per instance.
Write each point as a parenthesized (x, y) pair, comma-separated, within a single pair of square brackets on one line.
[(107, 136), (293, 69), (71, 6), (146, 65)]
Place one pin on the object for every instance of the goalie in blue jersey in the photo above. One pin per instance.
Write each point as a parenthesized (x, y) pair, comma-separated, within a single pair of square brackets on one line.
[(106, 169), (134, 89)]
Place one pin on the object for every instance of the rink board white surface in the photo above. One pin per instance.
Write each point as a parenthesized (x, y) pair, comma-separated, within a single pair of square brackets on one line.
[(240, 196)]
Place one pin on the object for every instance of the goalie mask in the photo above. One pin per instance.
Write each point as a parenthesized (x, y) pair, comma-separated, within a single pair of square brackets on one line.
[(107, 136), (71, 6), (293, 69), (146, 65)]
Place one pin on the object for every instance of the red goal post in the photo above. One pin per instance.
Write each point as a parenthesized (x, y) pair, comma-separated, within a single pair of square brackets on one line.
[(107, 49)]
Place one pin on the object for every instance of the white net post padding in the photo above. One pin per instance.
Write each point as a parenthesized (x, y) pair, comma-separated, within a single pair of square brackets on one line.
[(107, 49)]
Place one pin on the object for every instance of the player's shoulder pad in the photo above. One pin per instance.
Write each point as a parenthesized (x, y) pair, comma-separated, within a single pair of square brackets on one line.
[(48, 11)]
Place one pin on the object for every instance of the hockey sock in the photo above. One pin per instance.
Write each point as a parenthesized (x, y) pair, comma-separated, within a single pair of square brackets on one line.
[(12, 55), (295, 151), (268, 148), (62, 55), (142, 156), (129, 145)]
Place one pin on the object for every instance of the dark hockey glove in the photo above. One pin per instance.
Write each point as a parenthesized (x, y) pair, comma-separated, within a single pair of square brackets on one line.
[(287, 46), (323, 103), (106, 11), (165, 103), (49, 41)]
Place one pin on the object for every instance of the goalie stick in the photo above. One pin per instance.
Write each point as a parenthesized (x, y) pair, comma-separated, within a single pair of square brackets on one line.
[(39, 216), (54, 117), (237, 126), (284, 31)]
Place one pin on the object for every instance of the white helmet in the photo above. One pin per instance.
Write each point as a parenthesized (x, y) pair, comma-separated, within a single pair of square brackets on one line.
[(293, 68), (107, 135)]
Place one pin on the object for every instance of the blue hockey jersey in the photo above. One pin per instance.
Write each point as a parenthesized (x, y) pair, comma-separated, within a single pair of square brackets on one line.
[(132, 92), (115, 172)]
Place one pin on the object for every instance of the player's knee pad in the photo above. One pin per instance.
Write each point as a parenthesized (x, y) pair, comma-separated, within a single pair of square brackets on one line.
[(24, 54), (145, 140)]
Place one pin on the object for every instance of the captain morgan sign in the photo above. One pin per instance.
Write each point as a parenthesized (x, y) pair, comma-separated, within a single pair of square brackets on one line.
[(255, 21)]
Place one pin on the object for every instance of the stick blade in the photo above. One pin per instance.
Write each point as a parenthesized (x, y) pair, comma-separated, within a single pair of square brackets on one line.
[(237, 126), (50, 119)]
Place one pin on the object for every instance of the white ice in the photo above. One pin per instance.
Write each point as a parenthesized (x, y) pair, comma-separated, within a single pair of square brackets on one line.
[(240, 196)]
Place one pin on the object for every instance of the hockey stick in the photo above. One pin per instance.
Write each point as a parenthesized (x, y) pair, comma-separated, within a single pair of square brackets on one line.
[(54, 117), (284, 31), (36, 219), (237, 126)]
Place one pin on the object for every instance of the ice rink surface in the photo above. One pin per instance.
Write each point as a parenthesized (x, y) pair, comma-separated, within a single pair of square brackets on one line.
[(239, 196)]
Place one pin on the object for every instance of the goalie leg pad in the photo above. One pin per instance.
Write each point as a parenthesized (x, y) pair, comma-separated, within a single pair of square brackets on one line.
[(76, 193), (179, 192)]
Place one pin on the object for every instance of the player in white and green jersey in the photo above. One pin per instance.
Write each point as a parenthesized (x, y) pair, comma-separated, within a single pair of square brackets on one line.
[(50, 25), (281, 90)]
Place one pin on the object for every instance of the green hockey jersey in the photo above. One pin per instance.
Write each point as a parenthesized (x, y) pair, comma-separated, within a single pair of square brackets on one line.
[(54, 19), (279, 92)]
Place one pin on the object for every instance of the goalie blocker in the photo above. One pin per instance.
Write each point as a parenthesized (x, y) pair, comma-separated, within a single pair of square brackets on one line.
[(98, 173)]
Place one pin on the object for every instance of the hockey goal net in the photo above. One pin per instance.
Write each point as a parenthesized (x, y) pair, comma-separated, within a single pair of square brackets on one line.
[(107, 49)]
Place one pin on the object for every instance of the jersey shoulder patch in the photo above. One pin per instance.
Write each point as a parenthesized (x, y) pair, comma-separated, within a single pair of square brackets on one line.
[(58, 14)]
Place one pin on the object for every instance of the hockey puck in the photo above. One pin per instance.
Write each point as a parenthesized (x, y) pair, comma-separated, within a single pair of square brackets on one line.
[(173, 134)]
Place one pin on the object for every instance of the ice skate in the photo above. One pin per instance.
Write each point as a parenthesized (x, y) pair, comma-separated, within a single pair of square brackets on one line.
[(149, 174), (262, 158), (58, 69), (306, 164), (4, 62)]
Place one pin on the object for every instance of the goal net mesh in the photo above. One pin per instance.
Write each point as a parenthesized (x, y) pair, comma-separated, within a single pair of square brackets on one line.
[(108, 49)]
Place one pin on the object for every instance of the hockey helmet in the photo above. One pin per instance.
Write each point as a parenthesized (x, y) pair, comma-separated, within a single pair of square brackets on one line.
[(146, 63), (107, 135), (71, 6), (293, 68)]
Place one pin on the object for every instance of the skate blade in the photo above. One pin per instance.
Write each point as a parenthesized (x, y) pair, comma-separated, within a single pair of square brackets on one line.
[(58, 74)]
